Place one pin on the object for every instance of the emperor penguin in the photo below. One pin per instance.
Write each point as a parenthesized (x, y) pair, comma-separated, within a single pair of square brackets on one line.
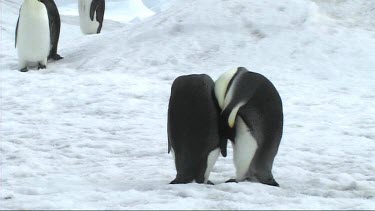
[(91, 15), (252, 118), (32, 35), (193, 128), (55, 25)]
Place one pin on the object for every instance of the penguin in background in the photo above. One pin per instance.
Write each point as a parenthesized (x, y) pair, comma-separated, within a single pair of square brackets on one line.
[(32, 38), (193, 128), (91, 15), (252, 118)]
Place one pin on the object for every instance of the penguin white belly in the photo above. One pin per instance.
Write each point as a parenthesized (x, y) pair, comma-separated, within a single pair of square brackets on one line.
[(211, 160), (244, 149), (33, 36), (87, 26)]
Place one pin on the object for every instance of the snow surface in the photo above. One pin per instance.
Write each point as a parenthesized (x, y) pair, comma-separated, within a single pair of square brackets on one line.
[(89, 132)]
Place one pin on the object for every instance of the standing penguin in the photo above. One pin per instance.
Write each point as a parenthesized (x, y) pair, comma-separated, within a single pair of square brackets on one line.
[(55, 25), (193, 128), (252, 118), (32, 35), (91, 15)]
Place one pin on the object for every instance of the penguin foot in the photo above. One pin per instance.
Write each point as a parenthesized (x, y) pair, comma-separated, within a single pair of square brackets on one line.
[(231, 181), (210, 183), (178, 182), (55, 57), (24, 70), (41, 66), (272, 183), (268, 181)]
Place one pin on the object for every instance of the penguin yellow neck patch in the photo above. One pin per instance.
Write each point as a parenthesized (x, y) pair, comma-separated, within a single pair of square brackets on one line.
[(221, 86), (233, 115)]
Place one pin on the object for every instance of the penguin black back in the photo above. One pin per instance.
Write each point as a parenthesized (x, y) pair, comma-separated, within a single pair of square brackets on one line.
[(263, 114), (193, 127)]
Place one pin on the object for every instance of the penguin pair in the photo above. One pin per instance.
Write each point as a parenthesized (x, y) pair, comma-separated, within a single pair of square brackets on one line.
[(38, 29), (245, 108), (37, 33)]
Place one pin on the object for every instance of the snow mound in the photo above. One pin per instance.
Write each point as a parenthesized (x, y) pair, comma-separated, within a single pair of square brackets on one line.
[(158, 5), (354, 13)]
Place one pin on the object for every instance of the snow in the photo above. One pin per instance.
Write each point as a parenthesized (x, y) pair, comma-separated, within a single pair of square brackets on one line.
[(89, 132)]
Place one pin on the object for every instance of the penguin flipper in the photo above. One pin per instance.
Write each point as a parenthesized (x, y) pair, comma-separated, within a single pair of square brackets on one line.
[(226, 132), (54, 27), (223, 141), (100, 11), (100, 15), (93, 8), (15, 41), (223, 145)]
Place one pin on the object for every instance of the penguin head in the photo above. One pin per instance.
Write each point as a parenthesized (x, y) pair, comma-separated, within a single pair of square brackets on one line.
[(221, 86)]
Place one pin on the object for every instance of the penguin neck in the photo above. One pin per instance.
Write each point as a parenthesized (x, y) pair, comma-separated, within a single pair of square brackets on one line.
[(33, 4), (34, 7), (222, 85)]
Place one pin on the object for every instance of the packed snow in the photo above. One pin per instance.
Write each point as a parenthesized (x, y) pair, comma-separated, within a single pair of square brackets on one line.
[(89, 132)]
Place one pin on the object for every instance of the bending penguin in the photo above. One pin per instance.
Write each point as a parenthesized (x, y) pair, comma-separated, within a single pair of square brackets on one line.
[(91, 15), (193, 128), (32, 35), (252, 118)]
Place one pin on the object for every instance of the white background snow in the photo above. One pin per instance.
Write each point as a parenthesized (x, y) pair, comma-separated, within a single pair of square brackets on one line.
[(89, 132)]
